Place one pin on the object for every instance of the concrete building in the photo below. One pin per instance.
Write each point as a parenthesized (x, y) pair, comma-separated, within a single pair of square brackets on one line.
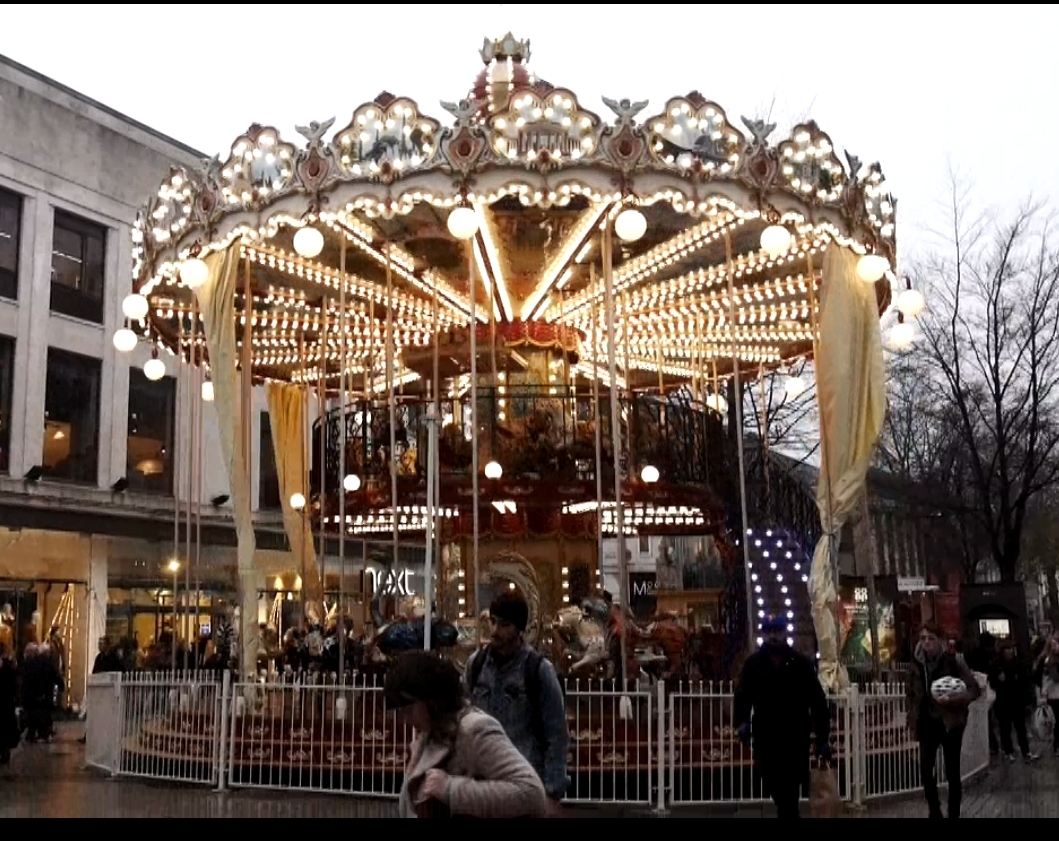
[(91, 451)]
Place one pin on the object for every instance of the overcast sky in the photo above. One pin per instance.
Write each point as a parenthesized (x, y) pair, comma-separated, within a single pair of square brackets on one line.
[(912, 86)]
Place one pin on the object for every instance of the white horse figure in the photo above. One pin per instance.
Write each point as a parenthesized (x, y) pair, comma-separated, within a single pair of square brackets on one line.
[(584, 635)]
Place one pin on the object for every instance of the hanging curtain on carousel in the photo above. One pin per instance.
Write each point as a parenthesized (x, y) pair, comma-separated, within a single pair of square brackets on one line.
[(851, 392), (217, 303), (286, 412)]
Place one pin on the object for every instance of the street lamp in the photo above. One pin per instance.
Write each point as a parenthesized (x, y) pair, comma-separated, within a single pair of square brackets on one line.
[(649, 474), (174, 567), (493, 470)]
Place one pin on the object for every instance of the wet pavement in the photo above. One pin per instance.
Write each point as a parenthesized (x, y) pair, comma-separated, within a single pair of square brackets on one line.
[(50, 781)]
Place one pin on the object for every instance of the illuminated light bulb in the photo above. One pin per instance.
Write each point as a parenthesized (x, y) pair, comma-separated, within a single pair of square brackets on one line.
[(901, 336), (194, 273), (493, 470), (463, 223), (135, 307), (871, 267), (790, 641), (351, 483), (125, 340), (207, 391), (760, 641), (794, 387), (154, 369), (297, 502), (911, 303), (775, 239), (649, 474), (630, 225), (308, 242)]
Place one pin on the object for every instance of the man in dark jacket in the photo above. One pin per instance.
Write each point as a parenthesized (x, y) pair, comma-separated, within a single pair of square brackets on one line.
[(9, 729), (939, 723), (1015, 693), (780, 703)]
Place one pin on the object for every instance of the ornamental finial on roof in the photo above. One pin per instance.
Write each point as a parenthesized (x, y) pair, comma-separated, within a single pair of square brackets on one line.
[(504, 48)]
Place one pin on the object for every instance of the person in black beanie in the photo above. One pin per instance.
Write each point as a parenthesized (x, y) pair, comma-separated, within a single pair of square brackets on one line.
[(516, 685)]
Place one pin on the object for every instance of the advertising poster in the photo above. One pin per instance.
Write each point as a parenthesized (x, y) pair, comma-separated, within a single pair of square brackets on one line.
[(855, 625)]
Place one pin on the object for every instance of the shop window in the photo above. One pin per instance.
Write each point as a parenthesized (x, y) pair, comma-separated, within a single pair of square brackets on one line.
[(10, 234), (7, 365), (77, 267), (645, 545), (268, 476), (152, 417), (71, 417)]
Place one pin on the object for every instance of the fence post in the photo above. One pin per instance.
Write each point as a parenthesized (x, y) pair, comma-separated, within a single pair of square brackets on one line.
[(119, 742), (660, 702), (858, 760), (222, 731)]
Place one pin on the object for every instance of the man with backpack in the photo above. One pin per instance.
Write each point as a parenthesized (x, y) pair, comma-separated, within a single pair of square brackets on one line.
[(518, 687)]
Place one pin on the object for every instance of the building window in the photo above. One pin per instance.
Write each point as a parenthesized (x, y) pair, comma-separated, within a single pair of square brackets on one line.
[(71, 417), (10, 234), (77, 265), (645, 545), (152, 417), (7, 365), (268, 477)]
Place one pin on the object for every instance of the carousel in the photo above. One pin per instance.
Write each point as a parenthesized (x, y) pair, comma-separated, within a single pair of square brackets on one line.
[(510, 331)]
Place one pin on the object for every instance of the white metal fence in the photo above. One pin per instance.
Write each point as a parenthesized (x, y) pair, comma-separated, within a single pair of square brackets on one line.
[(648, 746)]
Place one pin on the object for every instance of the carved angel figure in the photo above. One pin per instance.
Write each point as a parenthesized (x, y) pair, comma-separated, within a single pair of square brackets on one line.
[(759, 129), (315, 131), (463, 111), (625, 109)]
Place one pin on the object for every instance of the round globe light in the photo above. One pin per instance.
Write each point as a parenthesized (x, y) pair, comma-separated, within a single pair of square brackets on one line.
[(775, 239), (194, 273), (630, 225), (493, 470), (649, 474), (901, 336), (297, 502), (125, 340), (717, 403), (154, 369), (911, 303), (351, 483), (463, 222), (135, 307), (794, 387), (207, 391), (308, 242), (871, 267)]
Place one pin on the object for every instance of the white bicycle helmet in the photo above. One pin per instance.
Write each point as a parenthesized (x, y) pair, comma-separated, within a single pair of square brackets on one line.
[(943, 687)]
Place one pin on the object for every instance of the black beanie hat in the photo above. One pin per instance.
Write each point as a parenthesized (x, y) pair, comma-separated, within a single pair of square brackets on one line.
[(511, 607)]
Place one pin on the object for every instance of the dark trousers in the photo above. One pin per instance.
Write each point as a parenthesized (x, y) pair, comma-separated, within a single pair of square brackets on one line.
[(1008, 717), (39, 719), (994, 745), (1055, 732), (783, 782), (932, 738)]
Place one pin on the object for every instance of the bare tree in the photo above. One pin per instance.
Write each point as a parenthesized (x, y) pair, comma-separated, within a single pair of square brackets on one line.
[(991, 340)]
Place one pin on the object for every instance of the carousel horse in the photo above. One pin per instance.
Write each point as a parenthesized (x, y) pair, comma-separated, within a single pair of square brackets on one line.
[(582, 638), (666, 641)]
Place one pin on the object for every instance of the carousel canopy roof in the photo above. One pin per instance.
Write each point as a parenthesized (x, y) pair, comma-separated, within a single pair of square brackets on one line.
[(720, 261)]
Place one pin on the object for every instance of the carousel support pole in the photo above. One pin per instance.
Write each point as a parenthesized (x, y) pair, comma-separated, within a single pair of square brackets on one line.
[(626, 335), (435, 394), (751, 637), (625, 704), (428, 566), (188, 532), (474, 422), (200, 378), (247, 621), (176, 556), (596, 422), (321, 406), (303, 567), (390, 353), (342, 462)]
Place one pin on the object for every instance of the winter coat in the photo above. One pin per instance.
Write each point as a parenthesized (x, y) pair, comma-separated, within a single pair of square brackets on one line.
[(781, 698), (9, 729), (921, 704), (1012, 684), (488, 777)]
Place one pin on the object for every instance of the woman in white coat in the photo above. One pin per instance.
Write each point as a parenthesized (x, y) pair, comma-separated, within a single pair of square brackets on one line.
[(462, 764)]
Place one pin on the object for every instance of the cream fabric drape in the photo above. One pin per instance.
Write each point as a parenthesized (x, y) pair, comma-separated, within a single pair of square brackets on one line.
[(851, 392), (286, 410), (217, 303)]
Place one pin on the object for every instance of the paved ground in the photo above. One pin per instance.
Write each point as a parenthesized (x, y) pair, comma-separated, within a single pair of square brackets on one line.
[(50, 781)]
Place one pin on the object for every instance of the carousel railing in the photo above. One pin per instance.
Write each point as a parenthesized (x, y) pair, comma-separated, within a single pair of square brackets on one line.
[(532, 431), (643, 746)]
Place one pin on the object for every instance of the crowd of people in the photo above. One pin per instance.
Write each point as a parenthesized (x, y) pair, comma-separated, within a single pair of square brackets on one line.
[(34, 684)]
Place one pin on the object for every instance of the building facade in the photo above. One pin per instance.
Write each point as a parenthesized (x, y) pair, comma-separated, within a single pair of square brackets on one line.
[(94, 457)]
